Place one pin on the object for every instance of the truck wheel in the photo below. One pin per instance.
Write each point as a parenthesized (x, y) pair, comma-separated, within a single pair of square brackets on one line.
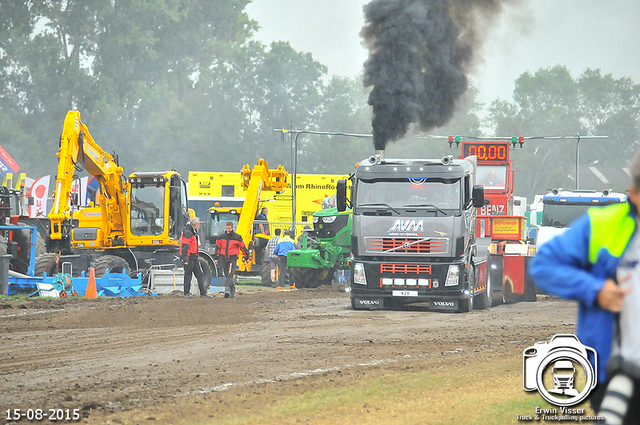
[(114, 263), (265, 273), (466, 306), (485, 299), (46, 263)]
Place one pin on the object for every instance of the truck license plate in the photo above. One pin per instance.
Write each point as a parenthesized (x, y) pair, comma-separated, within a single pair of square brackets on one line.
[(405, 293)]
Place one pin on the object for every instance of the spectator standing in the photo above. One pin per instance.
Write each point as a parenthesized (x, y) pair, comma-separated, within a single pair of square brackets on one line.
[(285, 244), (189, 254), (273, 257), (229, 244), (597, 263)]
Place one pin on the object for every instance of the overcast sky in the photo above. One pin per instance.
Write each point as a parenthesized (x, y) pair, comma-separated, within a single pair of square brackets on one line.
[(580, 34)]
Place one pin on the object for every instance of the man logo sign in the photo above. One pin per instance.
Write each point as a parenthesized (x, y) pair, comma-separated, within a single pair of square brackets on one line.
[(560, 370)]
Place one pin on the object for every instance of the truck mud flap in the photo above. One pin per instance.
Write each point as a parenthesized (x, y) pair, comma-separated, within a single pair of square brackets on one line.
[(367, 303), (447, 305)]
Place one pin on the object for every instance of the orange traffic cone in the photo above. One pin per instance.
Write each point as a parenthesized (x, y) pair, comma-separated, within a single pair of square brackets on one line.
[(92, 291)]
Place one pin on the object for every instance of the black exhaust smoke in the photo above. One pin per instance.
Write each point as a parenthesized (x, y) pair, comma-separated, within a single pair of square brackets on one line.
[(419, 51)]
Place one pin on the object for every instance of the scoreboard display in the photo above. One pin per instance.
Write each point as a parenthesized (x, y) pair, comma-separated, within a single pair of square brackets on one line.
[(487, 151)]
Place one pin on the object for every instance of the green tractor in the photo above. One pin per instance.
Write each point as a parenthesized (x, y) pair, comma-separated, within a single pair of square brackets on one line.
[(323, 250)]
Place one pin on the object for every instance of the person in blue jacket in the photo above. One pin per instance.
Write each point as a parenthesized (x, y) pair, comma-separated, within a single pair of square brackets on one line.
[(285, 244), (597, 263)]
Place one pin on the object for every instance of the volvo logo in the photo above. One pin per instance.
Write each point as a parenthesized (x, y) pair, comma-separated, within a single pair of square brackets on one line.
[(444, 303), (406, 245), (401, 225)]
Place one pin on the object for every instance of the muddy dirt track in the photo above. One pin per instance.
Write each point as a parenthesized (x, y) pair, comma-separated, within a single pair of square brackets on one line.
[(151, 359)]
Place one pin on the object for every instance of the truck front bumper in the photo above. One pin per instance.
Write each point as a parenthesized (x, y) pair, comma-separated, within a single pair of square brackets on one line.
[(405, 282)]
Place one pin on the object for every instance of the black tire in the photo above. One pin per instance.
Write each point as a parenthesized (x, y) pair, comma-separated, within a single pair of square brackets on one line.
[(297, 275), (23, 238), (305, 277), (486, 298), (41, 246), (114, 263), (466, 305), (46, 263), (265, 273), (321, 277), (206, 271)]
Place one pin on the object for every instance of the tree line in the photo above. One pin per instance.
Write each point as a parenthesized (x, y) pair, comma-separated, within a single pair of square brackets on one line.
[(184, 84)]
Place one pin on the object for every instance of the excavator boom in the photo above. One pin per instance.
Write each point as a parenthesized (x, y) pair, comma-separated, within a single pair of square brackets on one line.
[(79, 151), (254, 181)]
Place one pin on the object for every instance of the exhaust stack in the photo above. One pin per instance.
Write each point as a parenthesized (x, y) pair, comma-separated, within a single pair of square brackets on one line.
[(377, 157)]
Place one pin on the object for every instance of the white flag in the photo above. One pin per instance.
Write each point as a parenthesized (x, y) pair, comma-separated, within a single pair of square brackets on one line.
[(40, 192)]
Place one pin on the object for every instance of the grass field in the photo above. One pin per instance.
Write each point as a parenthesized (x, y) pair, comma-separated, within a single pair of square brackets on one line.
[(457, 394)]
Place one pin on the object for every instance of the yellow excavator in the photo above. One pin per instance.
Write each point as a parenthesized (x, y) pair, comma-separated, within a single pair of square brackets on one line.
[(138, 220), (254, 181)]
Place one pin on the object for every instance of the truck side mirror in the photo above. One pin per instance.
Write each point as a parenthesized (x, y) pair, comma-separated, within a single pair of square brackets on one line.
[(341, 195), (478, 196)]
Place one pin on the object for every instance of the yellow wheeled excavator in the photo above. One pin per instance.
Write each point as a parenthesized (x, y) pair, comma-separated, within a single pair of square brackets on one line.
[(137, 222)]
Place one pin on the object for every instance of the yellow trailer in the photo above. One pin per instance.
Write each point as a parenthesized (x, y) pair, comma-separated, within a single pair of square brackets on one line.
[(224, 188)]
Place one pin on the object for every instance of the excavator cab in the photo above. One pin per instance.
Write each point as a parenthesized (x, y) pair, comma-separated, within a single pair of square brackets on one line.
[(159, 208)]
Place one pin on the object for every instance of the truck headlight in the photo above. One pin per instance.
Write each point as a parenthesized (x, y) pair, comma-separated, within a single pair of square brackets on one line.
[(315, 219), (358, 274), (329, 219), (452, 275)]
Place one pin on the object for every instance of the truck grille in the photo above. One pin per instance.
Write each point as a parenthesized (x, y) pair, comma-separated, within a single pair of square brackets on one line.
[(405, 268), (408, 245)]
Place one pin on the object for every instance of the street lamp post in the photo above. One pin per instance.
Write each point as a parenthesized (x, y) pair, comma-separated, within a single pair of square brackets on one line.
[(294, 157)]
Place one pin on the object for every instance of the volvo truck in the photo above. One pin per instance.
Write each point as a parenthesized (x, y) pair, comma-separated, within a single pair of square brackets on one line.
[(413, 233)]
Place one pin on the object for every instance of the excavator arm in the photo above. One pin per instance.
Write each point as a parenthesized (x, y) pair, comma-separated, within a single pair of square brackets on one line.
[(79, 151), (254, 181)]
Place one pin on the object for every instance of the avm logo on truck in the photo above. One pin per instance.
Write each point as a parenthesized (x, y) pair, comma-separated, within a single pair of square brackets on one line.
[(407, 226)]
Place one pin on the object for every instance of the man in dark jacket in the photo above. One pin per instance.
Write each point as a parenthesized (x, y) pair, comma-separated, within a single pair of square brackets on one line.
[(229, 245), (189, 255)]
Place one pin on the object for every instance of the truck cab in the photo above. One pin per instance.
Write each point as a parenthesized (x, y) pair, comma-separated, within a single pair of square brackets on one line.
[(561, 207), (413, 232)]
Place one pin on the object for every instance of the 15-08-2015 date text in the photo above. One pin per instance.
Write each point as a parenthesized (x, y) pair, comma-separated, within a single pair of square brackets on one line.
[(42, 414)]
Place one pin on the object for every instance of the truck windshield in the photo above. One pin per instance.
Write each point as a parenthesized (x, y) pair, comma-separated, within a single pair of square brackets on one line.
[(417, 193), (561, 215), (147, 210), (492, 176)]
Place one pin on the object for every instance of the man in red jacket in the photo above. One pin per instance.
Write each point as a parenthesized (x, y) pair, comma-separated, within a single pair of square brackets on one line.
[(189, 254), (229, 244)]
